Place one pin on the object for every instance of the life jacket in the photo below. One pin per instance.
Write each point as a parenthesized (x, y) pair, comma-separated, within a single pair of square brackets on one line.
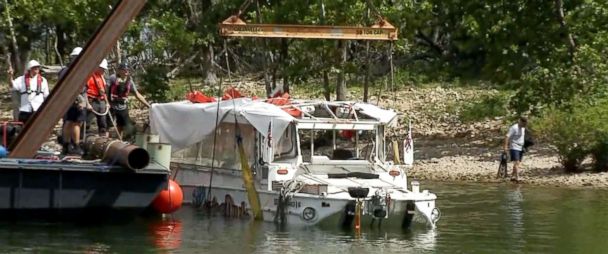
[(232, 93), (118, 92), (26, 79), (284, 100), (199, 97), (96, 87)]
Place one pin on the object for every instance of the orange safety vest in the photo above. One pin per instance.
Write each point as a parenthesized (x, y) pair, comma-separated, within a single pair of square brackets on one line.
[(96, 87)]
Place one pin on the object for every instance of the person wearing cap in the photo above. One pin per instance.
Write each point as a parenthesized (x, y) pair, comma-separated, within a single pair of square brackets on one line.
[(33, 90), (97, 101), (75, 116), (120, 87), (514, 145)]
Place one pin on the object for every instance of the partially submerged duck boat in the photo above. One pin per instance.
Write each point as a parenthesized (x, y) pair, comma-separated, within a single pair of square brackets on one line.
[(312, 161)]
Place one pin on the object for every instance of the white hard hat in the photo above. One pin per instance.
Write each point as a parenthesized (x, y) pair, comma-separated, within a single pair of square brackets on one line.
[(76, 51), (32, 64), (104, 64)]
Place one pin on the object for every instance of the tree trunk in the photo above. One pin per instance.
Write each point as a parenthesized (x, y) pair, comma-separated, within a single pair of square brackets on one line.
[(326, 90), (284, 62), (209, 74), (58, 56), (60, 43), (11, 28), (118, 53), (47, 45), (368, 73), (341, 81), (264, 43), (559, 7), (274, 77)]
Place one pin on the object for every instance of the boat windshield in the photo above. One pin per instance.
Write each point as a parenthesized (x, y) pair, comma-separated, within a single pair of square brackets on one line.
[(336, 145)]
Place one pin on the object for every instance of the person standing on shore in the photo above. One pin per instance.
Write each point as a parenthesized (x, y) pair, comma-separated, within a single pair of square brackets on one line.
[(514, 145), (33, 90)]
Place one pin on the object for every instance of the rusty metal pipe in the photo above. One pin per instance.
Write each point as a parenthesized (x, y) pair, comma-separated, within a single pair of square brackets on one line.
[(114, 151)]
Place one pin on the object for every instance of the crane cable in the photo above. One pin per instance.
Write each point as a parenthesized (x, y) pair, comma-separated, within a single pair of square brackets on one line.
[(392, 70), (217, 116)]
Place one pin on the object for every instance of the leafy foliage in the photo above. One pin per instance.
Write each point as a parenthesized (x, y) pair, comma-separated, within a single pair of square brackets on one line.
[(486, 107), (157, 83), (576, 132)]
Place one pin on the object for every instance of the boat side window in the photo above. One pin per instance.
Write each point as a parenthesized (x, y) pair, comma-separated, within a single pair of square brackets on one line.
[(226, 154), (286, 147), (338, 144)]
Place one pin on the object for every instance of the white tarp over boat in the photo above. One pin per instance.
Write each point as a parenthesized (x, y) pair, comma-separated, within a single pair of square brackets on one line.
[(382, 115), (182, 124)]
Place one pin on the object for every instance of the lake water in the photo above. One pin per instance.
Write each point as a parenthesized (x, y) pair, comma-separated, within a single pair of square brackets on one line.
[(504, 218)]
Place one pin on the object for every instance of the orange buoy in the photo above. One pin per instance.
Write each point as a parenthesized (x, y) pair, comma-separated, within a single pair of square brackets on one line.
[(170, 199)]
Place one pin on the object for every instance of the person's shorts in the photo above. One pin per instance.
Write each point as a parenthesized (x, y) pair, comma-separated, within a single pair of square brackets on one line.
[(516, 155), (75, 114), (122, 117), (25, 116)]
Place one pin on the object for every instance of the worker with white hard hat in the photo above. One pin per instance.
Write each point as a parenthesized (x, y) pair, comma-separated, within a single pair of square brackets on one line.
[(98, 105), (33, 90), (75, 52), (76, 115)]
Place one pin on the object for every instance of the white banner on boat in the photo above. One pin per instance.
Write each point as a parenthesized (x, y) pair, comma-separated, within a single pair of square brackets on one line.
[(408, 147)]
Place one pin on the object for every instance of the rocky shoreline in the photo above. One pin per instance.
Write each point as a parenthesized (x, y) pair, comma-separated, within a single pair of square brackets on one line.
[(465, 163)]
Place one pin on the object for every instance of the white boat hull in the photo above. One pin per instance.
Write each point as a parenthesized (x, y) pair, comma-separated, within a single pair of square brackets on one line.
[(327, 209)]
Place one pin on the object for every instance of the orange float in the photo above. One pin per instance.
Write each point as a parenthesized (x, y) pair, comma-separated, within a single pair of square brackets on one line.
[(170, 199)]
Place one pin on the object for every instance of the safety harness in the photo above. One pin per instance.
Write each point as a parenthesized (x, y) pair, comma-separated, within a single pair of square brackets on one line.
[(27, 84), (115, 94)]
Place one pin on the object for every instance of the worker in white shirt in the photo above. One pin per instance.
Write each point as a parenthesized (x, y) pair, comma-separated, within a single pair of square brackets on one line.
[(33, 90)]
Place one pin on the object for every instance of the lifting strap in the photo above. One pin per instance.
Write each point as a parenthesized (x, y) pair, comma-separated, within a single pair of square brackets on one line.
[(247, 173)]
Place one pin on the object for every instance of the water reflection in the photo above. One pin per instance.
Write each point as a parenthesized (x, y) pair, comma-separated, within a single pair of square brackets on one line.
[(166, 233), (477, 219), (515, 219)]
